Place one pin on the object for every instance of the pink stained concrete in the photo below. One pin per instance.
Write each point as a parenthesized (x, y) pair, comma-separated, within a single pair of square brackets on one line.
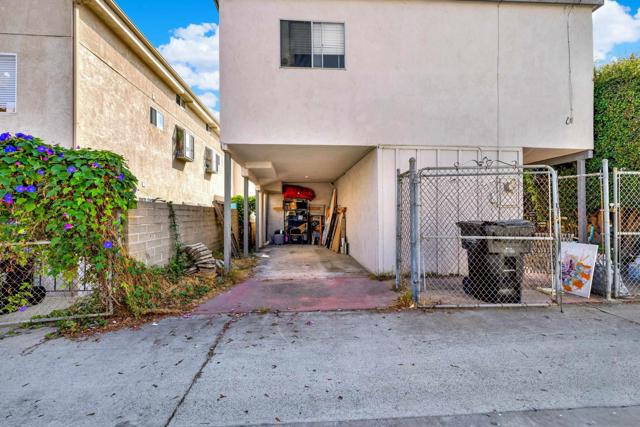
[(314, 294)]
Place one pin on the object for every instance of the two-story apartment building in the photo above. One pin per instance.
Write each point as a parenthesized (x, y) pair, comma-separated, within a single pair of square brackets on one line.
[(344, 92), (79, 73)]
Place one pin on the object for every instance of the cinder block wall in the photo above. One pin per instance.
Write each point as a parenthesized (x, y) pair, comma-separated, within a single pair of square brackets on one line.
[(148, 236)]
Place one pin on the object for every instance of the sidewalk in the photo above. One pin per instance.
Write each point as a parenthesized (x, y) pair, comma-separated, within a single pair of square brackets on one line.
[(443, 368)]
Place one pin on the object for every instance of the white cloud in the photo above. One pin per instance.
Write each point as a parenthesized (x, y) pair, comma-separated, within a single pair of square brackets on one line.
[(210, 99), (614, 24), (194, 53)]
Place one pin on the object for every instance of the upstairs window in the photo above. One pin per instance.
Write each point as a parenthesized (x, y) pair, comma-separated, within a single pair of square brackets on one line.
[(311, 44), (157, 118), (180, 101), (8, 83), (184, 144)]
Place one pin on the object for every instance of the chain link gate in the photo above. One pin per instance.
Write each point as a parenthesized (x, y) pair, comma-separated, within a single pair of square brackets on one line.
[(626, 187), (585, 218), (483, 235)]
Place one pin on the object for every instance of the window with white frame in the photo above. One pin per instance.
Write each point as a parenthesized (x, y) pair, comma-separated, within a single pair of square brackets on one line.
[(305, 44), (157, 118), (8, 82), (184, 144)]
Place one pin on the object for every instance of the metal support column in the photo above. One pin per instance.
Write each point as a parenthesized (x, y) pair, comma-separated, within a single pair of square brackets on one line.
[(398, 229), (582, 201), (607, 226), (616, 230), (258, 224), (557, 277), (227, 212), (245, 219), (413, 194)]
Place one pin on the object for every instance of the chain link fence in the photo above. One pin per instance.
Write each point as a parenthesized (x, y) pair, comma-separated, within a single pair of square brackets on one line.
[(627, 233), (30, 293), (486, 235), (585, 218), (403, 224)]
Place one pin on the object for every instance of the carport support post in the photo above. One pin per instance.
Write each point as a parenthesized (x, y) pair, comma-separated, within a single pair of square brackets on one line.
[(258, 212), (582, 200), (413, 195), (245, 219), (227, 212), (398, 229), (607, 226)]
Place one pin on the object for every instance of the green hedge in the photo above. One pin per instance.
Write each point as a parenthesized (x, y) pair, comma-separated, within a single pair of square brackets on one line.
[(617, 115)]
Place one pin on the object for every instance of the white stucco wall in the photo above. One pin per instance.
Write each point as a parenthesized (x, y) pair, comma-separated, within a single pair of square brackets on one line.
[(418, 72), (358, 191), (42, 39)]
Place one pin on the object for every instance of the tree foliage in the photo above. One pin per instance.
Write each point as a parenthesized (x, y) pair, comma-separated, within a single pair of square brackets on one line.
[(617, 114)]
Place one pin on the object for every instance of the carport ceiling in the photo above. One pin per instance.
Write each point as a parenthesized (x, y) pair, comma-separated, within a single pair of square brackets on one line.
[(297, 163)]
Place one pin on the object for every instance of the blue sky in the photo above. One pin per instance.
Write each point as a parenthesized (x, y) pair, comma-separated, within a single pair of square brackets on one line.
[(186, 33)]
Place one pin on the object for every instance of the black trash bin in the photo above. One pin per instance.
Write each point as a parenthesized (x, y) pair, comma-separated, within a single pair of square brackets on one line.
[(496, 266)]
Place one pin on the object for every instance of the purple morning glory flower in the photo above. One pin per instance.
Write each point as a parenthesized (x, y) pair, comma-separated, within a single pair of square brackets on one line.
[(121, 177), (41, 172), (5, 136), (10, 149), (8, 198), (108, 245), (41, 148), (95, 165), (23, 308), (68, 226), (23, 136), (61, 155), (71, 169), (45, 159), (49, 152), (21, 189), (18, 164), (31, 189)]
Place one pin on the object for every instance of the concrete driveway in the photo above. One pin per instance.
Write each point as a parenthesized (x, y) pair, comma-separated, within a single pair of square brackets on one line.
[(304, 278), (532, 367)]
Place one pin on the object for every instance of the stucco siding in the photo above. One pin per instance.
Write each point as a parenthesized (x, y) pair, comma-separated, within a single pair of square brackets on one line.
[(358, 191), (42, 39), (115, 92), (392, 158), (432, 73)]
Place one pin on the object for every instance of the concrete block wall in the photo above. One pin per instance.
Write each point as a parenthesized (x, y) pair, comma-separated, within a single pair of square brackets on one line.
[(148, 235)]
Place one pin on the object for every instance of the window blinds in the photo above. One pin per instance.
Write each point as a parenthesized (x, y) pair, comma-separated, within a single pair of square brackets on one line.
[(328, 39), (8, 89)]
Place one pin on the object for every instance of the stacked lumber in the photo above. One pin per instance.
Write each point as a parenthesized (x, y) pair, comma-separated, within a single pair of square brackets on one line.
[(203, 259), (338, 237)]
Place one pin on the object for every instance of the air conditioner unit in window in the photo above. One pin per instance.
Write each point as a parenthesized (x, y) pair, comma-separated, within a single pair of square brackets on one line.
[(211, 161), (184, 146)]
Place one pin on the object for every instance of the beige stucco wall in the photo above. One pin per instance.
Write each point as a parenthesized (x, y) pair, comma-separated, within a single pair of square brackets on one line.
[(42, 38), (357, 190), (418, 72), (114, 94)]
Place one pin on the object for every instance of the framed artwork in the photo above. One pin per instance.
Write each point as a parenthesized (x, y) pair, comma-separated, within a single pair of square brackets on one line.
[(578, 266)]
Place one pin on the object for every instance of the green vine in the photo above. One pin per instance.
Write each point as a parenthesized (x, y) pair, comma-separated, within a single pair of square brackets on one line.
[(75, 199)]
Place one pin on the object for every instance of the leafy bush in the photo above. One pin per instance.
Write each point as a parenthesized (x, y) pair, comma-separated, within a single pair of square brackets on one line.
[(76, 199), (617, 114)]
